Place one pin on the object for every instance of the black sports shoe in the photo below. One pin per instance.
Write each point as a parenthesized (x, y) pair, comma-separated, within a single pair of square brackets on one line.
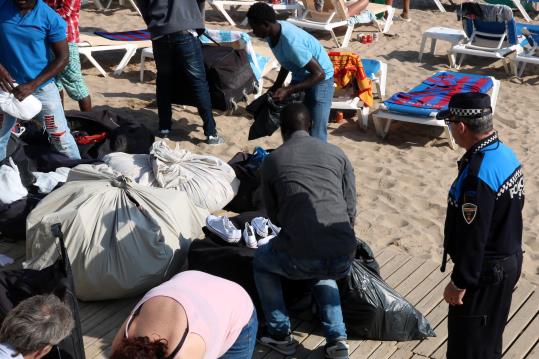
[(336, 350), (285, 345)]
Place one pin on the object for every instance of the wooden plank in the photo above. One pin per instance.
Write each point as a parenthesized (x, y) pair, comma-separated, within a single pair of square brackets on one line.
[(393, 265), (365, 349), (520, 295), (385, 256), (440, 352), (422, 290), (402, 354), (414, 280), (525, 342), (520, 320), (300, 334), (384, 351), (534, 353), (405, 271), (310, 345)]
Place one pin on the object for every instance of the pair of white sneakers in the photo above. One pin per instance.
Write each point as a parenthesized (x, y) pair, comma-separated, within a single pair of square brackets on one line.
[(262, 227), (259, 226)]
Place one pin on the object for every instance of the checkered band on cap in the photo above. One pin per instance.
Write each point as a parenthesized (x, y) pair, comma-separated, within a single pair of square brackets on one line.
[(467, 112)]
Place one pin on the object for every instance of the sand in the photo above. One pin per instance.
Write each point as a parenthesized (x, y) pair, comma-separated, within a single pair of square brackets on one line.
[(402, 181)]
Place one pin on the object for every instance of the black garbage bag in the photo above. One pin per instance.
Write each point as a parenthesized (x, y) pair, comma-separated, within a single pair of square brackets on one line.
[(267, 113), (373, 310)]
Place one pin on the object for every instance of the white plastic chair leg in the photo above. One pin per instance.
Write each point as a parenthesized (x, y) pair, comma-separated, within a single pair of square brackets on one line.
[(335, 39), (88, 54), (389, 20), (521, 71), (129, 53), (347, 36), (422, 47), (439, 5), (363, 115), (433, 42), (452, 142), (383, 80), (142, 63)]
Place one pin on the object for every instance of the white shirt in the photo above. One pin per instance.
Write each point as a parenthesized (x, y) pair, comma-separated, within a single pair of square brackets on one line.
[(6, 352)]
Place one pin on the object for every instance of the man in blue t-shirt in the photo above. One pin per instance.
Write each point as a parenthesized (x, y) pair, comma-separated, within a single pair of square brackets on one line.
[(301, 54), (34, 50)]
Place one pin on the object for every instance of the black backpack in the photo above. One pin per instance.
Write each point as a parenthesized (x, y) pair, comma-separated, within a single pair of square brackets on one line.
[(20, 284), (229, 75)]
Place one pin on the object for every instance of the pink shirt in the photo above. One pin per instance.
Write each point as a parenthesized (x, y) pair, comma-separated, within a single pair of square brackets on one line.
[(217, 309)]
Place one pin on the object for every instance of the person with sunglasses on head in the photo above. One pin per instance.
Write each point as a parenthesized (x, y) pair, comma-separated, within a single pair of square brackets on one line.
[(194, 315), (483, 231)]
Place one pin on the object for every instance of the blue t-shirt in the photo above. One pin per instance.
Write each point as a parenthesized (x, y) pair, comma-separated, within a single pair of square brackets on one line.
[(296, 48), (24, 40)]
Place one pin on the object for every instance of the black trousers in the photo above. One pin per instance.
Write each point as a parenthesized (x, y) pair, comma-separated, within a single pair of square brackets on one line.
[(475, 328)]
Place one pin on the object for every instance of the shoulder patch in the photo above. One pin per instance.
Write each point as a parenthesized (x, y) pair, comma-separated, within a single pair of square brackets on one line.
[(469, 211)]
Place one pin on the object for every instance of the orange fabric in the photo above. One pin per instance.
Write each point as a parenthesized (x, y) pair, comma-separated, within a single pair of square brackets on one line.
[(347, 66)]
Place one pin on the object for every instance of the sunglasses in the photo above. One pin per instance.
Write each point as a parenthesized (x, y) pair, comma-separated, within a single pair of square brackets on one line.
[(451, 119)]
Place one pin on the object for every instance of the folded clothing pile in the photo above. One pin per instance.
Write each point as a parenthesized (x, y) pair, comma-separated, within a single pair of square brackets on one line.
[(208, 181), (257, 232), (122, 238)]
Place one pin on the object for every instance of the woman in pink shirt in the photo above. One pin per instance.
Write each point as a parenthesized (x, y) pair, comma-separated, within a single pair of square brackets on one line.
[(194, 315)]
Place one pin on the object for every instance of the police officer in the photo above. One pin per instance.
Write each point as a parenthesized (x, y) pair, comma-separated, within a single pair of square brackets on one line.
[(483, 231)]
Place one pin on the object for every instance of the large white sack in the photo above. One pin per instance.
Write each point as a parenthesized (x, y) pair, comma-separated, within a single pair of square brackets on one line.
[(209, 182), (136, 166), (122, 238)]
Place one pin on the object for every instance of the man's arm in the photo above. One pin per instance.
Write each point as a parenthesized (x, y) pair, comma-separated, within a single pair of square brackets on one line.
[(280, 79), (59, 63), (473, 226), (6, 81), (349, 190), (68, 8), (317, 75)]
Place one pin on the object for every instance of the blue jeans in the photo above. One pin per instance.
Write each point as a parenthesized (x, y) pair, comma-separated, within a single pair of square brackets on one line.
[(181, 52), (318, 101), (269, 265), (244, 346), (53, 120)]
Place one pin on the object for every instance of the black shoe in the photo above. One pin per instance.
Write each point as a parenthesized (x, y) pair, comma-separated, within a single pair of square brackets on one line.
[(336, 350), (163, 134), (285, 345)]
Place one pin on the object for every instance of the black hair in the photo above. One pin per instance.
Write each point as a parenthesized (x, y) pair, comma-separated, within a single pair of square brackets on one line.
[(295, 117), (261, 13)]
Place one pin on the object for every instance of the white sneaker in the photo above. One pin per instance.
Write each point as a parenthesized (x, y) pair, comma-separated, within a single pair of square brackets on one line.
[(274, 229), (265, 240), (222, 227), (260, 224), (249, 236)]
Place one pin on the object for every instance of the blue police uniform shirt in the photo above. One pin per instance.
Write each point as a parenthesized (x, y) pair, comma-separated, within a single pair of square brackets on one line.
[(484, 212), (24, 39), (296, 48)]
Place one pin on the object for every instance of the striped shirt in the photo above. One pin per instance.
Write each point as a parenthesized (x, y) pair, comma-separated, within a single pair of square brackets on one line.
[(69, 11)]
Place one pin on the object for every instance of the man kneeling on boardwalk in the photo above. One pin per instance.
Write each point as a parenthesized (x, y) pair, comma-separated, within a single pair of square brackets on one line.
[(309, 191)]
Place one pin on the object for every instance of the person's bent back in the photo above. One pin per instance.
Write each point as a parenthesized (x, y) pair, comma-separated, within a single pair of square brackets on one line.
[(33, 327)]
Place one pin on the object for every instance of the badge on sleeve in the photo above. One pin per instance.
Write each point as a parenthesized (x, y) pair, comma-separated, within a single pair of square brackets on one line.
[(469, 210)]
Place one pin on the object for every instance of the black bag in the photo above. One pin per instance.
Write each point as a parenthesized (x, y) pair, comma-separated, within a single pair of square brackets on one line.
[(249, 196), (375, 311), (122, 134), (267, 113), (229, 75), (17, 285)]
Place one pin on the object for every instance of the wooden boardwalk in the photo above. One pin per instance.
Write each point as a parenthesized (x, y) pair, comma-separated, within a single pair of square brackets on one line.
[(418, 280)]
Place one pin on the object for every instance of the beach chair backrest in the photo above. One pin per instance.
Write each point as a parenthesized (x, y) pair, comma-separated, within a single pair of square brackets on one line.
[(332, 9), (497, 29)]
